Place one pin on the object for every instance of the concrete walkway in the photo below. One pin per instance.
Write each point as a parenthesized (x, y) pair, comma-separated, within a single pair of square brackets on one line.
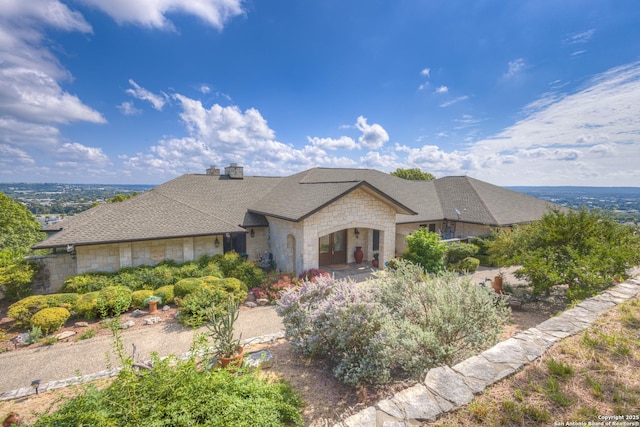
[(73, 359)]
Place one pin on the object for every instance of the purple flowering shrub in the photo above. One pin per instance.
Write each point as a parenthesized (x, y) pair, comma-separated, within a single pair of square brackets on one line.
[(339, 321), (402, 324)]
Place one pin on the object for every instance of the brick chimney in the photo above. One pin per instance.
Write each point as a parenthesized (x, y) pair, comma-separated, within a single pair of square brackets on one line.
[(234, 171)]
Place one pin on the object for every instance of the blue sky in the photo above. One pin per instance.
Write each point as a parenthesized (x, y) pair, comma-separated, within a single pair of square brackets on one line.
[(511, 92)]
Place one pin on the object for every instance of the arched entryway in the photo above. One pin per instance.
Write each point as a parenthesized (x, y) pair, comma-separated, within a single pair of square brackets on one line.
[(333, 248)]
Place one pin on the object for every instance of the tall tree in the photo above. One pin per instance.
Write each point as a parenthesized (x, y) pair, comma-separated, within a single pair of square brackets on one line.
[(19, 230), (413, 174)]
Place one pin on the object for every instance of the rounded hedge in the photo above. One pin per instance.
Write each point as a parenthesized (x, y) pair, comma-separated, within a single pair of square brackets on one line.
[(113, 300), (166, 293), (138, 297), (24, 309), (50, 319), (87, 305)]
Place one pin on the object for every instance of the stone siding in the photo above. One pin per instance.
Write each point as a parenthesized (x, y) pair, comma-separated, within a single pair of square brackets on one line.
[(358, 209), (280, 233), (257, 245), (54, 270), (111, 257)]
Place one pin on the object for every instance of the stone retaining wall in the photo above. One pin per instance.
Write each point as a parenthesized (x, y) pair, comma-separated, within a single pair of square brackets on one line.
[(447, 388)]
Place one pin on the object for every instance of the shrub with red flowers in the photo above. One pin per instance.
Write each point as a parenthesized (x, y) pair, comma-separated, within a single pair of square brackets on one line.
[(312, 273), (274, 284)]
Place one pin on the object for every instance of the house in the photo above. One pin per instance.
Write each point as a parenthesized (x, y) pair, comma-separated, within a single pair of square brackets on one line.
[(310, 219)]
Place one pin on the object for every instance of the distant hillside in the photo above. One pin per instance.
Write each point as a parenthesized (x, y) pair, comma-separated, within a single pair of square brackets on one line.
[(624, 202), (65, 199)]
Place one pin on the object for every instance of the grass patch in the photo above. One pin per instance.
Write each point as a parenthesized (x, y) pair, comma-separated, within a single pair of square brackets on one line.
[(590, 374)]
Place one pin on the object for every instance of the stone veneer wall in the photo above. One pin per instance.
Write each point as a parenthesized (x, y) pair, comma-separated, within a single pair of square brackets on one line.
[(279, 231), (54, 270), (358, 209), (111, 257), (258, 244)]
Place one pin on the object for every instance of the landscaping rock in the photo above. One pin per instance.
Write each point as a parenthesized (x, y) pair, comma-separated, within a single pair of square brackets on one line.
[(250, 304), (64, 335), (262, 301), (166, 308), (137, 313), (414, 403), (366, 417), (127, 325), (152, 320), (449, 385), (262, 359), (81, 324)]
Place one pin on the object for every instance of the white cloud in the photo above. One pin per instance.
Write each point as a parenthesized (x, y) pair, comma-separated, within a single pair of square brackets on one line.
[(153, 13), (426, 72), (373, 136), (442, 89), (454, 101), (581, 38), (578, 52), (205, 89), (81, 153), (514, 68), (9, 156), (33, 103), (423, 86), (342, 143), (584, 138), (128, 109), (156, 101)]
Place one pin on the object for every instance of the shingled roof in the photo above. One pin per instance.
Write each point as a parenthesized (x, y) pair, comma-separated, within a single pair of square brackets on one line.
[(198, 205)]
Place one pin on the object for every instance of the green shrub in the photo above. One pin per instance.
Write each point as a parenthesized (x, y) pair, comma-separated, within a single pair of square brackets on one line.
[(166, 293), (457, 251), (87, 305), (87, 282), (186, 286), (249, 274), (16, 276), (582, 250), (426, 249), (180, 393), (24, 309), (50, 319), (113, 300), (466, 265), (138, 297), (228, 262), (192, 309)]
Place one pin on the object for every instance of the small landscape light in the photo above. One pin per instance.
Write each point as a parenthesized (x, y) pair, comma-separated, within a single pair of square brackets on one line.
[(36, 385)]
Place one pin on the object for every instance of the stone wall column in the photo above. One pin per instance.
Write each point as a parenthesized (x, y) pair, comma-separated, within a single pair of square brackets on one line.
[(187, 249), (126, 259)]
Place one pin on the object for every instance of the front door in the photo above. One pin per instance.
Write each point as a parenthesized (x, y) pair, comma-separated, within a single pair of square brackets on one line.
[(333, 248)]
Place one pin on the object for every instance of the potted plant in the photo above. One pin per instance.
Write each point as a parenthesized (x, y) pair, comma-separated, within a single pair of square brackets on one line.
[(226, 348), (375, 262), (152, 302)]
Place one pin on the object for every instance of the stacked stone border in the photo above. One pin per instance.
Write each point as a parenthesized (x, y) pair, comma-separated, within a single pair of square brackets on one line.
[(52, 385), (447, 388)]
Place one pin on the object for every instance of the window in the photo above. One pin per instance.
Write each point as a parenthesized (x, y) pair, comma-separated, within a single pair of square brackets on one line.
[(376, 240)]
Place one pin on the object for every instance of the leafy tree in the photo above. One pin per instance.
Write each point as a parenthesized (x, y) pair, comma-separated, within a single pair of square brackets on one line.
[(426, 249), (121, 197), (583, 250), (19, 230), (413, 174)]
